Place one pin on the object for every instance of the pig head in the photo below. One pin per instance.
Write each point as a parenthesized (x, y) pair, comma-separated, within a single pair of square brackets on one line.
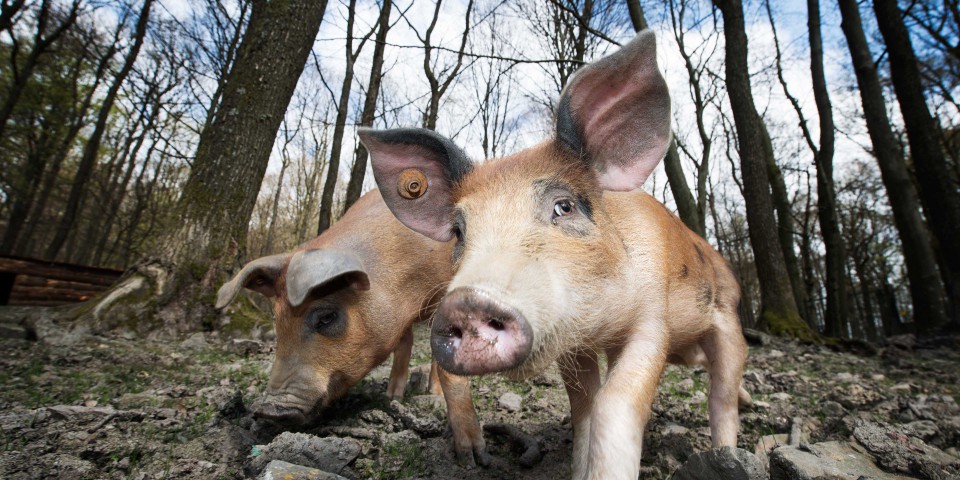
[(342, 303), (559, 256)]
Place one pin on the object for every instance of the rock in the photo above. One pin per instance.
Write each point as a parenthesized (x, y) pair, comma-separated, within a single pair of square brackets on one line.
[(195, 342), (14, 331), (775, 354), (427, 425), (233, 407), (903, 342), (697, 398), (331, 454), (754, 377), (685, 385), (419, 380), (278, 469), (510, 402), (768, 443), (243, 346), (55, 333), (727, 463), (832, 409), (846, 377), (833, 460), (756, 337), (896, 451), (924, 429), (673, 429), (430, 402), (781, 397)]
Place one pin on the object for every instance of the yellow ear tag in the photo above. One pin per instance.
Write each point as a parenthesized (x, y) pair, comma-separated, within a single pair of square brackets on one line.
[(412, 183)]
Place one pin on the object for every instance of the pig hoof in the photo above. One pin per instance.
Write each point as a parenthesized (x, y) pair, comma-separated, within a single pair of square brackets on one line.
[(471, 456)]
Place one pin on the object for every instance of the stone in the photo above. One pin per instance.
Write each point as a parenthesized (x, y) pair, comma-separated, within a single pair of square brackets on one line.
[(426, 425), (832, 409), (685, 385), (846, 377), (781, 397), (896, 451), (429, 402), (673, 429), (280, 470), (697, 398), (419, 383), (754, 377), (904, 342), (510, 402), (244, 346), (14, 331), (924, 429), (331, 454), (833, 460), (233, 407), (727, 463), (768, 443), (195, 342)]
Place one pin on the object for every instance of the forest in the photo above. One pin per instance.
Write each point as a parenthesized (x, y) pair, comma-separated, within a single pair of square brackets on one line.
[(158, 146)]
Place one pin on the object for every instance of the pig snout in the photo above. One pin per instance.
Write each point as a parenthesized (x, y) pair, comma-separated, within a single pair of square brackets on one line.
[(474, 334), (275, 412)]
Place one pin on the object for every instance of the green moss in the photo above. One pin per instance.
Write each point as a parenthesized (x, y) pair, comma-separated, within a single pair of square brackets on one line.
[(788, 324), (244, 317)]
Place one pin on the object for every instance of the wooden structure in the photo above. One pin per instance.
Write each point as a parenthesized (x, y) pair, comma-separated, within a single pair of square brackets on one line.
[(34, 282)]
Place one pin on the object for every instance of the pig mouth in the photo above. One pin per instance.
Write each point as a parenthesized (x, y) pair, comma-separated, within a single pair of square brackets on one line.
[(474, 334), (283, 410)]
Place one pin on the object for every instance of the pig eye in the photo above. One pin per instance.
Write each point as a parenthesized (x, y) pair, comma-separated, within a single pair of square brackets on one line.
[(325, 321), (562, 208)]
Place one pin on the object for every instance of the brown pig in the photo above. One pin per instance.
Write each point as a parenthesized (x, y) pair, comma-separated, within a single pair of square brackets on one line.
[(559, 256), (342, 303)]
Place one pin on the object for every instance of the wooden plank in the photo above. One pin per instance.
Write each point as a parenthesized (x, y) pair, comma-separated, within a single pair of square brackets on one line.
[(59, 271), (31, 281)]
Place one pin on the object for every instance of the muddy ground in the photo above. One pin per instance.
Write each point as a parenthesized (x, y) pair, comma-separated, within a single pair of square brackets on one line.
[(116, 406)]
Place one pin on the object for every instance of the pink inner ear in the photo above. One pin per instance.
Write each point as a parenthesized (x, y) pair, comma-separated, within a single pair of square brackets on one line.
[(622, 105), (430, 214)]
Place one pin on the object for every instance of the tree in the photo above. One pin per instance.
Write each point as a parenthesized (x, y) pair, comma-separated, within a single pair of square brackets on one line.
[(938, 190), (835, 317), (440, 77), (779, 311), (359, 170), (92, 147), (343, 107), (177, 282), (925, 287)]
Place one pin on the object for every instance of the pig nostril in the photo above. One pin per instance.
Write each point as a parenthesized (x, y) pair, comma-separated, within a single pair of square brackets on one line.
[(496, 324), (456, 332)]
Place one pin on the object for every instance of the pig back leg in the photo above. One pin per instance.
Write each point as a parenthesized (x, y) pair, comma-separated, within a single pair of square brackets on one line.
[(468, 440), (726, 354), (401, 366), (581, 377)]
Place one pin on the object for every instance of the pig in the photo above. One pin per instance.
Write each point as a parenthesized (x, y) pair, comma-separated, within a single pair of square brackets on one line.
[(342, 303), (559, 256)]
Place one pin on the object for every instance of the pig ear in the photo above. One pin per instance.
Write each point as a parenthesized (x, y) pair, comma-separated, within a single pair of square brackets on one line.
[(259, 275), (310, 269), (416, 170), (615, 114)]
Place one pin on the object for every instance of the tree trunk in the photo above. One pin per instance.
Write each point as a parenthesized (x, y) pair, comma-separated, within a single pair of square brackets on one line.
[(636, 15), (938, 192), (359, 170), (786, 228), (175, 287), (925, 288), (92, 148), (826, 192), (686, 205), (779, 311), (438, 87), (333, 166)]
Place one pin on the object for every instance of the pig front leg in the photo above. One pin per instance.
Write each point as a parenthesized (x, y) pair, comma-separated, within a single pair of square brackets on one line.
[(401, 366), (622, 406), (581, 377), (467, 436)]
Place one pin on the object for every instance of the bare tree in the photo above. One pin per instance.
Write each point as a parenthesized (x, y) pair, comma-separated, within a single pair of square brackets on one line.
[(90, 151), (938, 189), (925, 287), (359, 169), (779, 310)]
